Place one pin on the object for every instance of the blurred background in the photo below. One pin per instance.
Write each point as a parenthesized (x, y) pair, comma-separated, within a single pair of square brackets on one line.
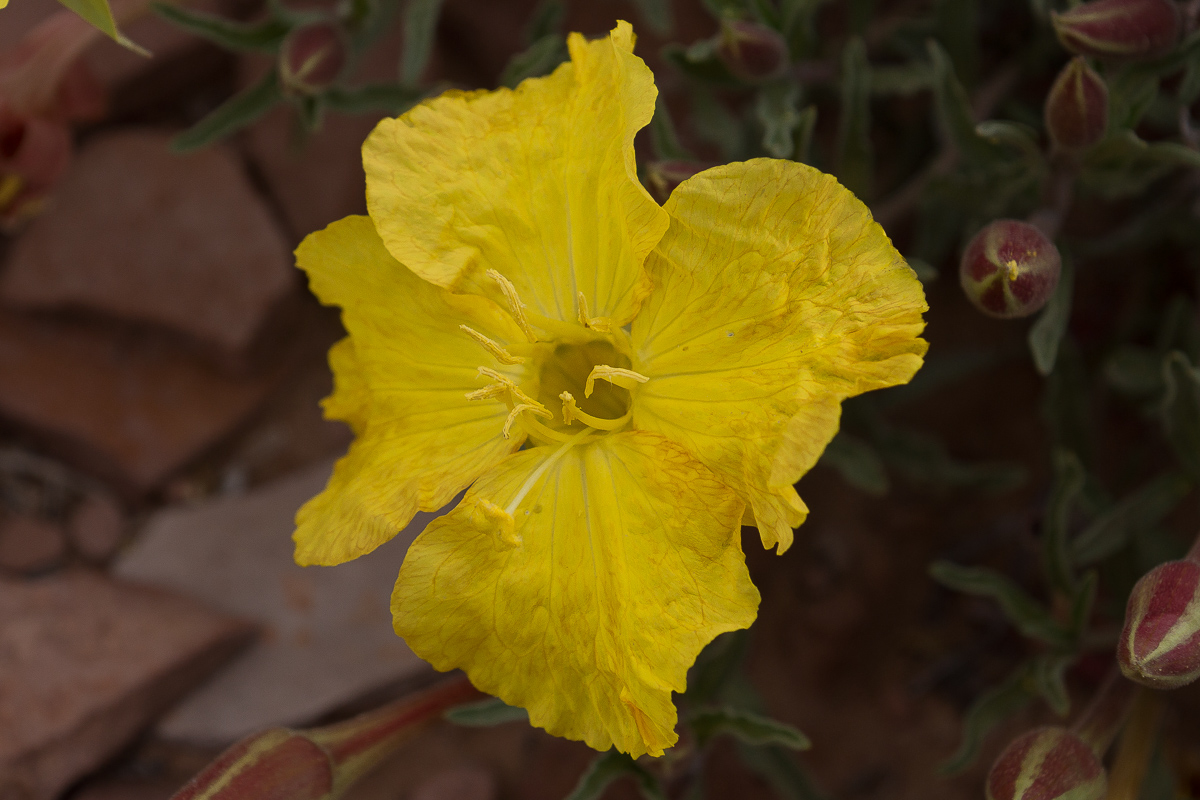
[(162, 364)]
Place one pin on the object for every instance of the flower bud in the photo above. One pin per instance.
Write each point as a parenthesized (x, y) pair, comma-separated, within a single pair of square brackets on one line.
[(34, 154), (1009, 269), (1077, 107), (1160, 644), (278, 764), (1119, 29), (1045, 764), (312, 57), (664, 176), (751, 51)]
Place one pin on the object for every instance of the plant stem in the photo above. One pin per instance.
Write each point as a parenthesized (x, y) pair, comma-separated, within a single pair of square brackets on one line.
[(1137, 746), (1101, 721)]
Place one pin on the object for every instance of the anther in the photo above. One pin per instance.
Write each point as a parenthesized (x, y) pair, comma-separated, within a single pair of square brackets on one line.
[(601, 324), (520, 408), (514, 303), (488, 392), (625, 378), (497, 352), (569, 407)]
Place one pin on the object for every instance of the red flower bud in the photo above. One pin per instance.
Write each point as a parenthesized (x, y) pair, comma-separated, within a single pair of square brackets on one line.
[(34, 154), (312, 57), (664, 176), (1045, 764), (1077, 107), (751, 51), (1119, 29), (1009, 269), (1160, 644)]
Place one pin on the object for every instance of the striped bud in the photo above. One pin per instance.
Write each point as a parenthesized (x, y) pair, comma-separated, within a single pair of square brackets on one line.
[(751, 51), (1009, 269), (320, 763), (1077, 107), (312, 57), (664, 176), (1047, 764), (1119, 29), (1160, 644)]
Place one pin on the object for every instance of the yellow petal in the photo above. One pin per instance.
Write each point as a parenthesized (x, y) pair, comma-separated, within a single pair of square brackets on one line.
[(586, 601), (538, 183), (776, 297), (401, 380)]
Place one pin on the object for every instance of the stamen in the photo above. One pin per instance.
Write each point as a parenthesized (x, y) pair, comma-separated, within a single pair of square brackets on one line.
[(497, 352), (520, 408), (509, 386), (601, 324), (488, 392), (514, 303), (572, 412), (498, 516), (625, 378)]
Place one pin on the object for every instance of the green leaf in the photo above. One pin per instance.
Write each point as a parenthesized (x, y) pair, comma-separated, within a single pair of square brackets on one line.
[(1028, 615), (778, 768), (1181, 411), (1046, 335), (1049, 678), (98, 14), (857, 463), (753, 729), (420, 25), (656, 14), (804, 134), (903, 80), (1056, 554), (312, 112), (716, 124), (796, 23), (1082, 604), (926, 272), (486, 713), (775, 108), (716, 665), (662, 133), (854, 126), (539, 59), (989, 710), (547, 19), (263, 37), (699, 62), (1021, 138), (234, 114), (609, 767), (390, 97), (1137, 513), (1124, 164), (923, 460), (954, 109), (1134, 371), (1131, 92), (958, 29)]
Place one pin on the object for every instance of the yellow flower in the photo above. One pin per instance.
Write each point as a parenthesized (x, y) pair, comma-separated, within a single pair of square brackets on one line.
[(620, 385)]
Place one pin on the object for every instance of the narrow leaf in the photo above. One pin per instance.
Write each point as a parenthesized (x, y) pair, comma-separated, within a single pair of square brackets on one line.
[(1056, 554), (776, 110), (753, 729), (662, 133), (656, 14), (857, 463), (1028, 615), (100, 16), (1137, 513), (540, 58), (236, 113), (1049, 677), (486, 713), (420, 25), (1082, 603), (609, 767), (854, 126), (954, 109), (805, 129), (699, 62), (778, 767), (715, 667), (264, 37), (546, 20), (923, 459), (989, 710), (1181, 411), (390, 97), (1047, 333), (716, 124)]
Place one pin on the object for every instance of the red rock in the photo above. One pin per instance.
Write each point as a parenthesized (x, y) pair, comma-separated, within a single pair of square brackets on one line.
[(30, 544), (461, 783), (87, 663), (97, 527), (185, 243), (130, 408)]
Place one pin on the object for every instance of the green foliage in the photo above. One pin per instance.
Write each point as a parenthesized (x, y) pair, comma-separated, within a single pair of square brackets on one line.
[(1046, 335), (745, 726), (854, 127), (486, 713), (236, 113), (859, 464), (776, 109), (420, 25), (989, 710), (100, 16), (260, 37), (1029, 616), (612, 766)]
